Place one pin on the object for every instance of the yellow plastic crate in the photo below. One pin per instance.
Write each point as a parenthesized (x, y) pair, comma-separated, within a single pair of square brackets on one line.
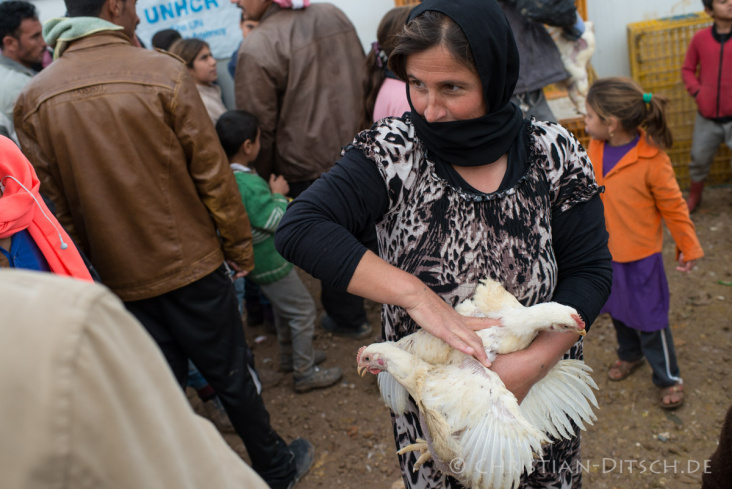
[(657, 49)]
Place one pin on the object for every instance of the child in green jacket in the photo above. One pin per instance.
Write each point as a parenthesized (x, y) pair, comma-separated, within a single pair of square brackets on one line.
[(294, 308)]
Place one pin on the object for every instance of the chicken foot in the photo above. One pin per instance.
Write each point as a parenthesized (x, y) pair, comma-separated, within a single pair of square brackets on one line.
[(421, 447)]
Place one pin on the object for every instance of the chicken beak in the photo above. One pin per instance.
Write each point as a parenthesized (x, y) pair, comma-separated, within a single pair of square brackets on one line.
[(361, 371), (582, 332)]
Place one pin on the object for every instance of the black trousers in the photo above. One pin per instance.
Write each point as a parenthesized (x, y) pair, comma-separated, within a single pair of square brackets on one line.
[(201, 321), (656, 346)]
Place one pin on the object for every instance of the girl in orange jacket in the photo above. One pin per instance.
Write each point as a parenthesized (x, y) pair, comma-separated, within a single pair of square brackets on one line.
[(640, 191)]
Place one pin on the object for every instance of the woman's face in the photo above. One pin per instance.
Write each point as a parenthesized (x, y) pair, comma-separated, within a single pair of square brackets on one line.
[(204, 67), (442, 89)]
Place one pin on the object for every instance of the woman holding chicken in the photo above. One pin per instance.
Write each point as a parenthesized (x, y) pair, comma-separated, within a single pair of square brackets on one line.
[(459, 189)]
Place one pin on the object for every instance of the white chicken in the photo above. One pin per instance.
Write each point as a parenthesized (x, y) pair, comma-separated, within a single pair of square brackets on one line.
[(487, 447)]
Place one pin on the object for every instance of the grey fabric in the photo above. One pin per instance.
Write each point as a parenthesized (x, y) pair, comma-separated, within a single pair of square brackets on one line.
[(534, 104), (708, 135), (540, 61), (294, 311), (560, 13), (13, 78)]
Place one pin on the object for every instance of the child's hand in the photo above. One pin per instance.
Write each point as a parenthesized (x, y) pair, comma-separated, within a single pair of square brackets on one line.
[(685, 266), (278, 185), (238, 272)]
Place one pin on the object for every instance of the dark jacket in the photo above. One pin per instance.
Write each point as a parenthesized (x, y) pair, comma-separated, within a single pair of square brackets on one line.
[(124, 147), (712, 88), (540, 63), (558, 13), (301, 73)]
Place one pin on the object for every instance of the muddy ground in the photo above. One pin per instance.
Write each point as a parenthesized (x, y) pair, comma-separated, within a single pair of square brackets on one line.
[(634, 443)]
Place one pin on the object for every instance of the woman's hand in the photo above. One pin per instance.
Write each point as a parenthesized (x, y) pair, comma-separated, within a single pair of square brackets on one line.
[(377, 280), (435, 316), (520, 370)]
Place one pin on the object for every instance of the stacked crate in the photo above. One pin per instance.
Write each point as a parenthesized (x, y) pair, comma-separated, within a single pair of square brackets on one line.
[(657, 49)]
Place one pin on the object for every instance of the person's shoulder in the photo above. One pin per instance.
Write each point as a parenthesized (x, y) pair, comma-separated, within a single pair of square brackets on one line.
[(249, 178), (390, 141), (164, 60), (396, 132), (267, 42), (551, 132), (702, 34)]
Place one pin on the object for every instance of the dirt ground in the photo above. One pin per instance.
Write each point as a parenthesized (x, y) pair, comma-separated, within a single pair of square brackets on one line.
[(634, 443)]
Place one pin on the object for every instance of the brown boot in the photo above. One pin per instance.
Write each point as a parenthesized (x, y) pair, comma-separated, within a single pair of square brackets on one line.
[(695, 195)]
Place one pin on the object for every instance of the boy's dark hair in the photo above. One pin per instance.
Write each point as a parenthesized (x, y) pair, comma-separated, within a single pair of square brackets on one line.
[(165, 38), (84, 8), (708, 4), (235, 127), (12, 14)]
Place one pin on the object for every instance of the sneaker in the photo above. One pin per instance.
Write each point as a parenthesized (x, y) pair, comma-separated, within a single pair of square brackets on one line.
[(318, 379), (304, 454), (214, 411), (363, 331), (286, 360)]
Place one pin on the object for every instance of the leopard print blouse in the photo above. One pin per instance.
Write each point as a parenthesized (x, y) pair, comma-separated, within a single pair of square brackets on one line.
[(451, 238)]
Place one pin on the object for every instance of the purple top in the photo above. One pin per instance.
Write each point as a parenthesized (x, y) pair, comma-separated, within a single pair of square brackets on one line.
[(612, 154)]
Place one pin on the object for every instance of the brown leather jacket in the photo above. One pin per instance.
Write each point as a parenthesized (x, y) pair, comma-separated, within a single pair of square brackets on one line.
[(301, 73), (124, 147)]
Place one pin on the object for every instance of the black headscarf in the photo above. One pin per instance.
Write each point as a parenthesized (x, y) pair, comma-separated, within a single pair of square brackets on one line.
[(483, 140)]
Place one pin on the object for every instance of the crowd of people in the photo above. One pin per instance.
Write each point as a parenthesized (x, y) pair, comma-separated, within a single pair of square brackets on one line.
[(403, 176)]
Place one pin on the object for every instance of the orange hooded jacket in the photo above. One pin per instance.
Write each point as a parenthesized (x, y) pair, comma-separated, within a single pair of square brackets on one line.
[(640, 191)]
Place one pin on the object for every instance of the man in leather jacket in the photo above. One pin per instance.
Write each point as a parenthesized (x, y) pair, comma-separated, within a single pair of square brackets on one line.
[(123, 145)]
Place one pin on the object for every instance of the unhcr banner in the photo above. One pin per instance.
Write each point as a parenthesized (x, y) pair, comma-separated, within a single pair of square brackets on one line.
[(214, 21)]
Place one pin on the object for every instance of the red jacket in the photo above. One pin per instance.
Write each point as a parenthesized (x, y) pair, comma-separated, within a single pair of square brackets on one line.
[(712, 88)]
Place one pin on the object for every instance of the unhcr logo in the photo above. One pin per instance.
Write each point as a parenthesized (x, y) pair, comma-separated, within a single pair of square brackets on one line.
[(180, 8)]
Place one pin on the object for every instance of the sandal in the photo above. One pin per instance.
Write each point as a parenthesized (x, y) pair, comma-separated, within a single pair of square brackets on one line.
[(622, 369), (674, 392)]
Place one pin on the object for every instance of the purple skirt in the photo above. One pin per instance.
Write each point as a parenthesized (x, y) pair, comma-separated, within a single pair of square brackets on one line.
[(639, 296)]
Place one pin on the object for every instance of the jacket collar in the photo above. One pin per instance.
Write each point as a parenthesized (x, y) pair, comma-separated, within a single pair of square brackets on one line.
[(15, 66), (720, 38), (642, 150), (271, 10), (97, 40)]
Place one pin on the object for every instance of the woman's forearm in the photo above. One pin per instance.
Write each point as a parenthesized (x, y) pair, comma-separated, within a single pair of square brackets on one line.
[(377, 280), (520, 370)]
